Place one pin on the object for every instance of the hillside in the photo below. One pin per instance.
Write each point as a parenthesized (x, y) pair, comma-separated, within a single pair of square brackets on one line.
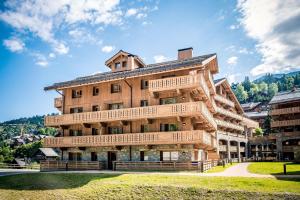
[(264, 88)]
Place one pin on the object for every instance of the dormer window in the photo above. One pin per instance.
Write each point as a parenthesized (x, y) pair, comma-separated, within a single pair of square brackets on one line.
[(124, 64), (117, 66)]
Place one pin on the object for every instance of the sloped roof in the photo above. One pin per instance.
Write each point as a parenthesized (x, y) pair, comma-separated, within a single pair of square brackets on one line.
[(256, 114), (250, 105), (288, 96), (49, 152), (149, 69), (218, 81), (126, 53)]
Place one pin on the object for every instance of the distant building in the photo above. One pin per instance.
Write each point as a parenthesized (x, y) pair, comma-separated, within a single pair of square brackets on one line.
[(284, 140), (256, 111)]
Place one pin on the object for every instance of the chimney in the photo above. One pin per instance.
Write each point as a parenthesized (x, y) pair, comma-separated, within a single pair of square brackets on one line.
[(185, 53)]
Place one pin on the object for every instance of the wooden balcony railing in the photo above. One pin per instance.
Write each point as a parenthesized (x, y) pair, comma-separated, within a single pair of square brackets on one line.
[(232, 134), (250, 123), (222, 148), (152, 138), (180, 82), (229, 125), (229, 113), (223, 100), (149, 112), (285, 111), (233, 148), (58, 102), (292, 122), (291, 134), (290, 148)]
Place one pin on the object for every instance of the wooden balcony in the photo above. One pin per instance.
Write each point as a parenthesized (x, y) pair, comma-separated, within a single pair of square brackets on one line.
[(291, 134), (193, 109), (250, 123), (152, 138), (222, 148), (229, 113), (233, 148), (224, 100), (285, 111), (292, 122), (181, 82), (229, 125), (290, 148), (58, 102)]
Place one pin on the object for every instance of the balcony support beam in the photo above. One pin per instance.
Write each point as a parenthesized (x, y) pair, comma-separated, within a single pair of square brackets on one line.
[(86, 125)]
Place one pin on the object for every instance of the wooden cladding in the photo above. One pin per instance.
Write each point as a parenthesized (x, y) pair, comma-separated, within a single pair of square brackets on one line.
[(293, 122), (228, 113), (285, 111), (58, 102), (152, 138), (180, 82), (224, 100), (159, 111), (229, 125)]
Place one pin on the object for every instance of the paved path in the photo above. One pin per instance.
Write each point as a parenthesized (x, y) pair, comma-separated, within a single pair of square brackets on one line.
[(7, 172), (238, 170)]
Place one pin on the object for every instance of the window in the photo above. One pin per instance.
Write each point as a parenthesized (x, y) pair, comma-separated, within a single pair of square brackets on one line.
[(95, 91), (117, 66), (124, 64), (144, 128), (95, 108), (115, 88), (76, 110), (75, 132), (170, 156), (94, 131), (76, 93), (94, 156), (74, 156), (144, 103), (115, 130), (144, 84), (167, 101), (115, 106), (168, 127)]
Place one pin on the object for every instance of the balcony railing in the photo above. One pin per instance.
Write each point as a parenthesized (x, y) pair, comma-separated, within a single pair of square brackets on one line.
[(180, 82), (229, 125), (292, 122), (233, 148), (152, 138), (291, 134), (149, 112), (289, 148), (223, 100), (285, 111), (229, 113), (250, 123), (232, 134), (222, 148), (58, 102)]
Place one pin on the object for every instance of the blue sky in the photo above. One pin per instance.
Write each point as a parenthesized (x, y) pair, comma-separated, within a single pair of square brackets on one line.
[(43, 42)]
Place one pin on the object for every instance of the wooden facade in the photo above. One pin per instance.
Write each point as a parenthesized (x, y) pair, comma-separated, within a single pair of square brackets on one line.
[(168, 111)]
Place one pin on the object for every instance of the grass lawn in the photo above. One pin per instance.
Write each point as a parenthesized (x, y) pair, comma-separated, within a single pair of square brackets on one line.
[(144, 186), (273, 168), (220, 168)]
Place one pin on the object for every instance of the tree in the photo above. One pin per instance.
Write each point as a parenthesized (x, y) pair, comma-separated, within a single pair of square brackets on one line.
[(27, 150), (272, 89), (247, 84), (6, 154), (263, 88), (258, 132), (240, 93)]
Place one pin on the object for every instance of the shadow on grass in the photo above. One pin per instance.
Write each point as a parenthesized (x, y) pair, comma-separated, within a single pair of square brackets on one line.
[(49, 181)]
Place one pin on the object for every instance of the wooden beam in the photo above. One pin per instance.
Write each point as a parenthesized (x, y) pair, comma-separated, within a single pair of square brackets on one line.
[(86, 125)]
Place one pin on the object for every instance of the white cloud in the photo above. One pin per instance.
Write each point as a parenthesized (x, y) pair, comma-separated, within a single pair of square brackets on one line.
[(40, 59), (43, 18), (274, 24), (42, 63), (232, 60), (233, 27), (52, 55), (60, 48), (14, 44), (107, 49), (159, 58), (232, 78), (141, 15), (131, 12)]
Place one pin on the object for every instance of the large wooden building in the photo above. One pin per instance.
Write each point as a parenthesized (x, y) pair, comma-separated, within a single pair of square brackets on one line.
[(171, 111)]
